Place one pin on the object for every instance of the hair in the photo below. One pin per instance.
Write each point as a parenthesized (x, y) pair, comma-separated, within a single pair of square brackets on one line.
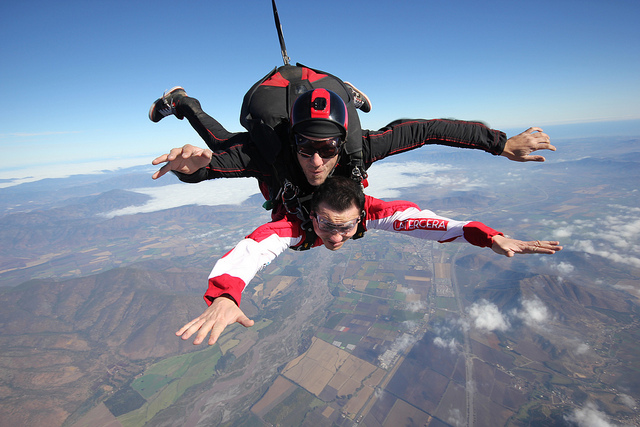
[(338, 193)]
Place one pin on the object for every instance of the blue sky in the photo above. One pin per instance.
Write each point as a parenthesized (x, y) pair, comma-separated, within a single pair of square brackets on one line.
[(79, 76)]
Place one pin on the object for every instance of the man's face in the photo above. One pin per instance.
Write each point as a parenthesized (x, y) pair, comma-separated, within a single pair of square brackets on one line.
[(334, 227), (314, 156)]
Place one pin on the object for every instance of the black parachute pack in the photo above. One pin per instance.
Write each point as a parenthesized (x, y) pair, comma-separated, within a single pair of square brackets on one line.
[(267, 105)]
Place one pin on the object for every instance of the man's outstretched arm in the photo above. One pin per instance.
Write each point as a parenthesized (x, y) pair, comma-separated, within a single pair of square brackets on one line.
[(408, 134), (407, 218), (233, 272)]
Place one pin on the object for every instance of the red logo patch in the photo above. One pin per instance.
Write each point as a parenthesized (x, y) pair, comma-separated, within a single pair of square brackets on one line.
[(420, 224)]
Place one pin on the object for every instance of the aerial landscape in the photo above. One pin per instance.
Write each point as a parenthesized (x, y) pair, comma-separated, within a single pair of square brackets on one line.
[(101, 264), (387, 331)]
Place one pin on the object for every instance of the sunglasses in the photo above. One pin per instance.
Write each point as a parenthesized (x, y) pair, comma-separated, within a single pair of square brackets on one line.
[(326, 148), (342, 229)]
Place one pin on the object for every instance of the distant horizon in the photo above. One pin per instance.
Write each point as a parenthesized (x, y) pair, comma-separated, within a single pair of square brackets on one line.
[(16, 175), (587, 129)]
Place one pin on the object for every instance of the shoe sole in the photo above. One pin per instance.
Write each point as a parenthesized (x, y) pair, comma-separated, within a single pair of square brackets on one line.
[(367, 102), (153, 106)]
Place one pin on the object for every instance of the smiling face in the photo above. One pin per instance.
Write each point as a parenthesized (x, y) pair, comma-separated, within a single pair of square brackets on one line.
[(335, 227)]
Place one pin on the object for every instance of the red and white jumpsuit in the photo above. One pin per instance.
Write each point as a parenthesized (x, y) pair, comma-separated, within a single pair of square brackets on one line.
[(235, 269)]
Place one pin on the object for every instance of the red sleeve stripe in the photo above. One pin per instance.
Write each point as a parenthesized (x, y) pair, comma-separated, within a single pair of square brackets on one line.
[(215, 137)]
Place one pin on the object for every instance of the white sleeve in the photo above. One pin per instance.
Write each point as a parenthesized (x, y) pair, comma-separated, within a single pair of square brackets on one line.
[(407, 218), (232, 272), (249, 257)]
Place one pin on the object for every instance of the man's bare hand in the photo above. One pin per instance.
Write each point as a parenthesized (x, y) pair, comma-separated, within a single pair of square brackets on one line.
[(188, 159), (519, 148), (509, 247), (221, 313)]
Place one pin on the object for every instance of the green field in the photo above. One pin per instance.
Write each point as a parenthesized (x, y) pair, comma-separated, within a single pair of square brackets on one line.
[(163, 383), (162, 373)]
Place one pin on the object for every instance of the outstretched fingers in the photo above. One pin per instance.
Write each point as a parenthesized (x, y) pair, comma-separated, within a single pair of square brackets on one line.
[(202, 326), (220, 314), (166, 159), (533, 129), (546, 146), (520, 147), (543, 247), (510, 247), (539, 139), (216, 330), (162, 171), (533, 158), (187, 160), (160, 159), (191, 328)]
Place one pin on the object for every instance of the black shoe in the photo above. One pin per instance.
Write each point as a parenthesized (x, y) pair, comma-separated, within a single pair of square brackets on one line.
[(166, 105), (360, 100)]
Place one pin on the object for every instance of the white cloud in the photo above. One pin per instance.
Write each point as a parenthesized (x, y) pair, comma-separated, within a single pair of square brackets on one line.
[(415, 306), (455, 418), (631, 288), (589, 416), (574, 345), (387, 178), (560, 233), (451, 345), (403, 342), (206, 193), (628, 401), (582, 348), (601, 250), (615, 237), (534, 312), (450, 327), (486, 316), (410, 324), (565, 268), (379, 393)]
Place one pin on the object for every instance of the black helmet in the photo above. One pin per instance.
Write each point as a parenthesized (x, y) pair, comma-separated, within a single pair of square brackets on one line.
[(320, 113)]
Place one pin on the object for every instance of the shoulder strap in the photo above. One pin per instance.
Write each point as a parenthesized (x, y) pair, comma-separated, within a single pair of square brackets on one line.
[(310, 237)]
